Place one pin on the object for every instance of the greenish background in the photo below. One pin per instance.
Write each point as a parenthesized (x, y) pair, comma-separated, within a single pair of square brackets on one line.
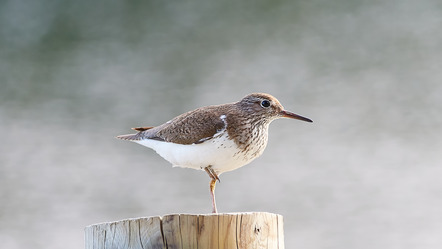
[(366, 174)]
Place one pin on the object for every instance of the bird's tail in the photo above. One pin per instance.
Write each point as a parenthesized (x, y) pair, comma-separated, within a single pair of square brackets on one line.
[(138, 136), (142, 128), (130, 137)]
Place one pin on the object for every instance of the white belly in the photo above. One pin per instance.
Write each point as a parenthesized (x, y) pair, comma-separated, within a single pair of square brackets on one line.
[(221, 153)]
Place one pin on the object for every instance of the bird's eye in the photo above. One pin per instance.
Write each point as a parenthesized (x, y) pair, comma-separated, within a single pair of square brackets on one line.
[(265, 103)]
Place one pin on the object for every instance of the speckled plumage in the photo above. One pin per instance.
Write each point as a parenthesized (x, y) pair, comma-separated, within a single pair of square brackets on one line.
[(217, 138)]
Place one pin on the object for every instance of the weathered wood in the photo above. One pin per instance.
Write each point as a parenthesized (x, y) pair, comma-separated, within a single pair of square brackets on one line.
[(186, 231), (189, 228), (227, 230), (208, 236)]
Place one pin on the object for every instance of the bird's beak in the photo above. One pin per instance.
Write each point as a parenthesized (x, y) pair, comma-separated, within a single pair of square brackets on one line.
[(287, 114)]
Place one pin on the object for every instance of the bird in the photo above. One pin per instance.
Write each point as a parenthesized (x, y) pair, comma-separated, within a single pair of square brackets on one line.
[(217, 138)]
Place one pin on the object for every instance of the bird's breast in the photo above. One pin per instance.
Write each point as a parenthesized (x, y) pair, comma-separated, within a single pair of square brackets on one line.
[(253, 143)]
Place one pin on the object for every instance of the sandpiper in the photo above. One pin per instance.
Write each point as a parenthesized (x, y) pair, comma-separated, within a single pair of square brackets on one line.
[(217, 138)]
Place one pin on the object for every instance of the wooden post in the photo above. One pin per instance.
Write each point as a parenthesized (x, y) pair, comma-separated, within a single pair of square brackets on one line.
[(190, 231)]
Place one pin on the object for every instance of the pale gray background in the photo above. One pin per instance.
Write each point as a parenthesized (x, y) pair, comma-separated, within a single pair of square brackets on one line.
[(366, 174)]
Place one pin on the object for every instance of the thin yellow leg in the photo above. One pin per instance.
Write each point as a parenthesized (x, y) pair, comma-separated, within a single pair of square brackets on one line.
[(212, 193), (212, 174)]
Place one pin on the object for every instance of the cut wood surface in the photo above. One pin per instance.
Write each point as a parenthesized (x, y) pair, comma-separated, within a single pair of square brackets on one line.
[(257, 230)]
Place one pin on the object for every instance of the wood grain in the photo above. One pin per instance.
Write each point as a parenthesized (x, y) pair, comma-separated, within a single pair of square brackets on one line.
[(258, 230)]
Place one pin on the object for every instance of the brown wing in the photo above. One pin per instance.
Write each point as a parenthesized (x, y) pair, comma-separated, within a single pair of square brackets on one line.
[(192, 127)]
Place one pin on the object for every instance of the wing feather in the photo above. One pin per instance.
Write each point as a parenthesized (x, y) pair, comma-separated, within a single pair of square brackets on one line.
[(192, 127)]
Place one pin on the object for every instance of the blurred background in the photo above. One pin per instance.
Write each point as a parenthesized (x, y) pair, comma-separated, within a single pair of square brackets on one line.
[(75, 74)]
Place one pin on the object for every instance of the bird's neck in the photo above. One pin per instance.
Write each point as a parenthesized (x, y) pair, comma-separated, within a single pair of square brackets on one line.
[(246, 131)]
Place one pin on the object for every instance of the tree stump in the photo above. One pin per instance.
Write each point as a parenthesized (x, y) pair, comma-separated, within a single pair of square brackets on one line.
[(257, 230)]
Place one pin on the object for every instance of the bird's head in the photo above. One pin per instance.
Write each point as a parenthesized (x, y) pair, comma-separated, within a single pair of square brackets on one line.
[(265, 106)]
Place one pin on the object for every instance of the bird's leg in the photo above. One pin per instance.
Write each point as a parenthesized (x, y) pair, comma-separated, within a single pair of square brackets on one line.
[(212, 193), (212, 174)]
